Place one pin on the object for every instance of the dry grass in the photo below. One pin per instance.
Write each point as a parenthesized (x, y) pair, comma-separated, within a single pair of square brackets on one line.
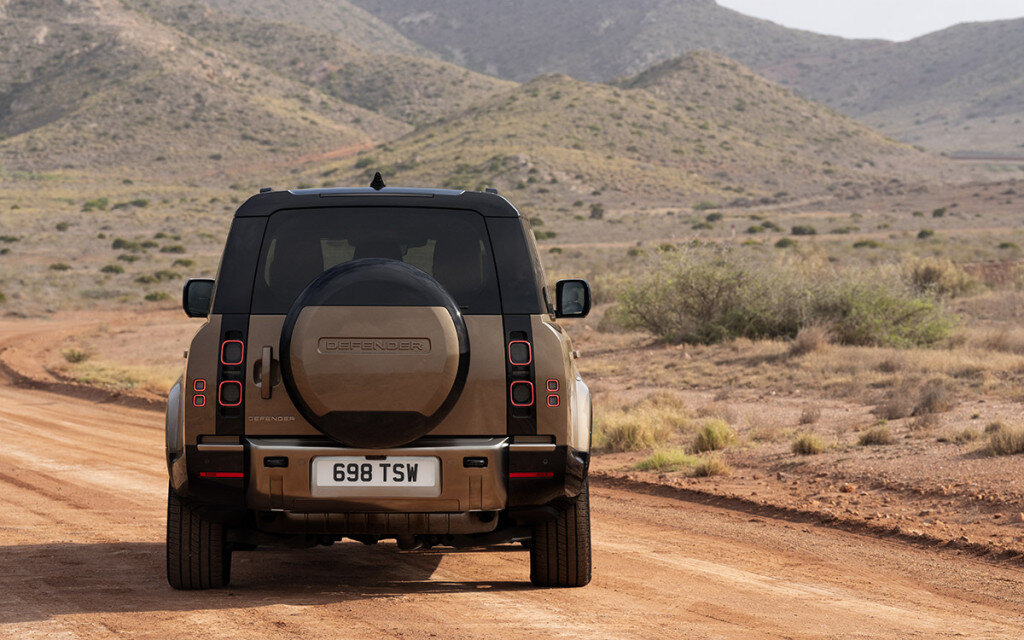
[(668, 460), (1006, 441), (110, 375), (715, 434), (808, 444), (711, 466), (645, 424), (75, 355), (810, 414), (810, 339), (880, 435)]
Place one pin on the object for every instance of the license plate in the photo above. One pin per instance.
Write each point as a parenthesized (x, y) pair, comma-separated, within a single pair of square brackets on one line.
[(359, 476)]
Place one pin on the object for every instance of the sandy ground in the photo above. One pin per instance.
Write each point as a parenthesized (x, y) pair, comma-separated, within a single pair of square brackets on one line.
[(82, 498)]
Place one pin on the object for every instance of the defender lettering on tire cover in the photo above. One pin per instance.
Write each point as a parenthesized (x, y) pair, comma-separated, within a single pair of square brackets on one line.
[(374, 353)]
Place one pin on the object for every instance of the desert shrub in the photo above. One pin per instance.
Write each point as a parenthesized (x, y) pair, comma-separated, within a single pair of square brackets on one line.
[(3, 298), (880, 435), (963, 436), (60, 266), (810, 339), (808, 444), (940, 276), (785, 243), (936, 396), (925, 234), (880, 309), (75, 355), (172, 248), (709, 294), (645, 424), (597, 211), (866, 244), (708, 297), (112, 268), (1006, 441), (183, 262), (900, 403), (994, 426), (713, 217), (667, 460), (61, 226), (711, 466), (714, 435), (126, 245), (803, 230), (166, 274), (705, 206), (810, 414), (938, 213), (128, 257), (9, 239), (156, 296)]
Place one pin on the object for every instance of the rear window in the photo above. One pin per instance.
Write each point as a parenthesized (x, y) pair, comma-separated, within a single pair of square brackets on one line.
[(452, 246)]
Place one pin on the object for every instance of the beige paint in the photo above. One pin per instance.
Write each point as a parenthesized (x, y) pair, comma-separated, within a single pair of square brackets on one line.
[(202, 364), (332, 376), (569, 422), (479, 411)]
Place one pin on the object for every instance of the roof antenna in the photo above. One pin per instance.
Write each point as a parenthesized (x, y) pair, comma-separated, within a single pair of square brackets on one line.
[(378, 182)]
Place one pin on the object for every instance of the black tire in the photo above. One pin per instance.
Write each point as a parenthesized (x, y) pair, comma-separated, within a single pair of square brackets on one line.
[(198, 555), (560, 549)]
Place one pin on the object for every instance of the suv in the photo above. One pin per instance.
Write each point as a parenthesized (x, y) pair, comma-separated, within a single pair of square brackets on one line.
[(379, 363)]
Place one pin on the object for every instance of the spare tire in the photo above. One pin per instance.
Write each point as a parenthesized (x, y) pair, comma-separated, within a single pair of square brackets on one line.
[(374, 353)]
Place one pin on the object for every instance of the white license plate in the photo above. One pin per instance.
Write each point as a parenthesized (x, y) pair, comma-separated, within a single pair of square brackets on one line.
[(359, 476)]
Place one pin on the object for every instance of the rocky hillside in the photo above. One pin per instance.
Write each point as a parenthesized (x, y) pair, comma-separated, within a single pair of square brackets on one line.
[(957, 89), (697, 127)]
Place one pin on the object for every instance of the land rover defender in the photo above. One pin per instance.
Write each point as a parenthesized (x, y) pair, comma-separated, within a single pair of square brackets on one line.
[(379, 363)]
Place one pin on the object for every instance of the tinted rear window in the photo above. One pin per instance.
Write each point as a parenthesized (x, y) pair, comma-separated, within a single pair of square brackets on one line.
[(452, 246)]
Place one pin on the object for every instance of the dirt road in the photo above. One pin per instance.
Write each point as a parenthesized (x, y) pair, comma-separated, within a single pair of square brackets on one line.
[(82, 495)]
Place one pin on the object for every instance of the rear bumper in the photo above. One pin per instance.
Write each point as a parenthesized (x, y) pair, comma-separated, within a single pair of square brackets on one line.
[(518, 480), (463, 488)]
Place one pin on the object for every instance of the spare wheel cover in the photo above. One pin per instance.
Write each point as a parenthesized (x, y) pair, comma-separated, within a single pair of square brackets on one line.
[(374, 353)]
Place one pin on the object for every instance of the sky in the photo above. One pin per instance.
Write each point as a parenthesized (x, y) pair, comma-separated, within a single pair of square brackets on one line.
[(888, 19)]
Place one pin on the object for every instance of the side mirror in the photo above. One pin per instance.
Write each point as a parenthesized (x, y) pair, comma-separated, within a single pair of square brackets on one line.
[(196, 297), (572, 299)]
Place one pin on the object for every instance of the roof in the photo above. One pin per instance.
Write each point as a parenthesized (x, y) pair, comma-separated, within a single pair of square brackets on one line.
[(267, 203)]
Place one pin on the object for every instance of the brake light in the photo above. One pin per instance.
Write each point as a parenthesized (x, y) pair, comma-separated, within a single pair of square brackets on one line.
[(221, 474), (520, 353), (521, 393), (531, 474), (232, 352)]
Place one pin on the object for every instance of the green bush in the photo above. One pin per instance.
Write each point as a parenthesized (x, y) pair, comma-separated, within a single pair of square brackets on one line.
[(156, 296), (172, 248), (803, 230), (714, 435), (667, 460), (60, 266), (808, 444), (709, 294), (183, 262), (705, 205), (874, 436), (785, 243), (713, 217), (61, 226), (112, 268)]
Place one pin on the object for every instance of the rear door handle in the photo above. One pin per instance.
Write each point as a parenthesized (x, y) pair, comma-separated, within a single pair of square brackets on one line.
[(266, 369)]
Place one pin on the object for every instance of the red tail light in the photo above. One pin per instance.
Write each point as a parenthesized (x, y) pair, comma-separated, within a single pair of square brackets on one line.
[(532, 474), (221, 474)]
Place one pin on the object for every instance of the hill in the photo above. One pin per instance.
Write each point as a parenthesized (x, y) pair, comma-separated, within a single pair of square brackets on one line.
[(960, 88), (397, 84), (700, 126), (95, 87), (956, 89), (591, 39)]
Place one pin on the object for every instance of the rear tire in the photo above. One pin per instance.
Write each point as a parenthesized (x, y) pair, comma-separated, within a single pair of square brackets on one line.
[(198, 555), (560, 549)]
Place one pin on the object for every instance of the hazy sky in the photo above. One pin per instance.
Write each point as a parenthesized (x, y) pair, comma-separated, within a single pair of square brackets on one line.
[(889, 19)]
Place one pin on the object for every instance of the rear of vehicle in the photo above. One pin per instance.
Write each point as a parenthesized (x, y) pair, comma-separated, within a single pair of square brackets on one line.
[(379, 364)]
